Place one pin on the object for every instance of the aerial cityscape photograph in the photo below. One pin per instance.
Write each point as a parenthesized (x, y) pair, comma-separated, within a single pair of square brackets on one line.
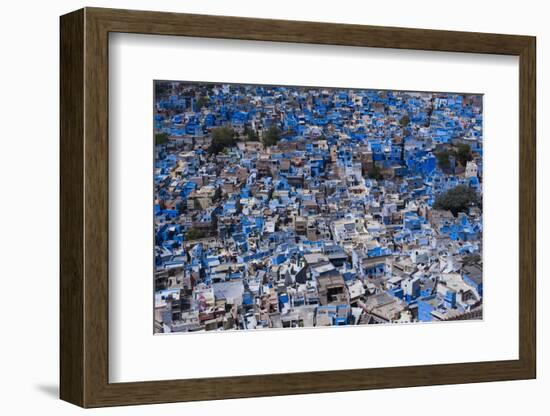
[(296, 207)]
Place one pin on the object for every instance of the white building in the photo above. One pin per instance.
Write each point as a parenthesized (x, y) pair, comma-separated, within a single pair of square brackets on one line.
[(471, 169)]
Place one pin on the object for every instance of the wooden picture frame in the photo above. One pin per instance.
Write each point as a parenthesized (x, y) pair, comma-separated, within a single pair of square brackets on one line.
[(84, 207)]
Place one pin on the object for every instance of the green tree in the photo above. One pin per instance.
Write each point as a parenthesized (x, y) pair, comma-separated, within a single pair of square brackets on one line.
[(375, 173), (252, 136), (271, 136), (202, 101), (404, 122), (443, 159), (194, 234), (161, 88), (217, 194), (457, 199), (463, 153), (161, 138), (222, 138)]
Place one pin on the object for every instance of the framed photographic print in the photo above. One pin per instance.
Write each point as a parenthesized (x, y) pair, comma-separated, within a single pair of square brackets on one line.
[(255, 207)]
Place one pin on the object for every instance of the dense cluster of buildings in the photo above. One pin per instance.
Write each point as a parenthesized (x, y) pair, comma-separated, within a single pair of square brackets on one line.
[(318, 210)]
